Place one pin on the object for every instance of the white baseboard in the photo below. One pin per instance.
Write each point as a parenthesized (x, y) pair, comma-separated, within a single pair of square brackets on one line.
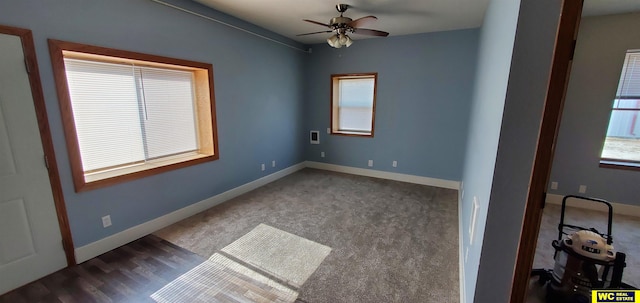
[(463, 293), (385, 175), (618, 208), (104, 245)]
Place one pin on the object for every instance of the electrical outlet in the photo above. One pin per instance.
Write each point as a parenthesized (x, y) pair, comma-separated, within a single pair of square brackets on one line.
[(582, 189), (262, 166), (370, 164), (554, 185), (321, 154), (394, 163), (273, 163), (106, 221), (474, 216)]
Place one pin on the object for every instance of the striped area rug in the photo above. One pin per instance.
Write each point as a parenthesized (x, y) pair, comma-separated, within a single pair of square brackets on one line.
[(265, 265)]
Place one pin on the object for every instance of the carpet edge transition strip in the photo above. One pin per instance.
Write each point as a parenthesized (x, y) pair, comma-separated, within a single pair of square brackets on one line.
[(258, 270)]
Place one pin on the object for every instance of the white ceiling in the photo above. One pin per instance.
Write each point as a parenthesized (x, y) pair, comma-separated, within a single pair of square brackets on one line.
[(398, 17)]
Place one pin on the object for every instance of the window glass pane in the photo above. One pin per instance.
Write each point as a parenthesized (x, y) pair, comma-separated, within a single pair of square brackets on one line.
[(169, 116), (626, 104), (106, 114), (355, 118), (621, 148), (624, 123), (356, 93)]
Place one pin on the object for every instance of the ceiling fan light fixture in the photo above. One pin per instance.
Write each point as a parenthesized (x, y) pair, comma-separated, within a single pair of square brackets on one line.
[(339, 40), (334, 41), (343, 39), (348, 41)]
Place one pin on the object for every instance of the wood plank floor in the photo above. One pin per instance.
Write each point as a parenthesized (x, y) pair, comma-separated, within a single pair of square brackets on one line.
[(130, 273)]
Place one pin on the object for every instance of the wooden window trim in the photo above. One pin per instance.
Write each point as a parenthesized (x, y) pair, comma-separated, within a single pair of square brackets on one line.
[(334, 107), (205, 105)]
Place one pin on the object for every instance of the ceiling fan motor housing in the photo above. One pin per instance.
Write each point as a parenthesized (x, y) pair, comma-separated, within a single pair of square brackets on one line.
[(337, 22)]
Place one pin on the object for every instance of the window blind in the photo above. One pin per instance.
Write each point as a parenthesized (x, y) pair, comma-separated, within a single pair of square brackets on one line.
[(169, 123), (127, 114), (356, 104), (629, 85)]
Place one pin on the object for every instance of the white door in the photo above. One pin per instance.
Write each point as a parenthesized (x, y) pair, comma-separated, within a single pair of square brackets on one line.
[(30, 239)]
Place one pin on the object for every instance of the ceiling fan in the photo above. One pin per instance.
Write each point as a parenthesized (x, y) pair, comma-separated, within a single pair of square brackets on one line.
[(341, 26)]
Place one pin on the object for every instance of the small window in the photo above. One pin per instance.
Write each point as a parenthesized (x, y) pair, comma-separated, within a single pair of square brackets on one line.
[(353, 104), (129, 115), (622, 144)]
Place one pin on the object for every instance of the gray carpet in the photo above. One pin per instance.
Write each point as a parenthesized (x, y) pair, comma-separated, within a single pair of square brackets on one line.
[(625, 239), (391, 241)]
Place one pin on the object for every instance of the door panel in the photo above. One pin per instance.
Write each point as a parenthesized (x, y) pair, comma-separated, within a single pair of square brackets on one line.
[(7, 165), (17, 241), (30, 238)]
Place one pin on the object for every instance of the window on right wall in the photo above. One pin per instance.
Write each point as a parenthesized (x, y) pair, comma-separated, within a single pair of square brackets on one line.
[(353, 104), (622, 144)]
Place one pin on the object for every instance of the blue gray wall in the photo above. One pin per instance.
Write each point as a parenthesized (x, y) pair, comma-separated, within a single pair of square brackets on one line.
[(422, 105), (600, 49), (494, 61), (258, 88)]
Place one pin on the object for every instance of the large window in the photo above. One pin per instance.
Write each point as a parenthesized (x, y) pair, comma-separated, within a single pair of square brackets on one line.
[(353, 104), (622, 144), (129, 115)]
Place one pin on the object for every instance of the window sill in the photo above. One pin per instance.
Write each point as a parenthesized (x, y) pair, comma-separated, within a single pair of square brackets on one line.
[(620, 165), (113, 176), (351, 133)]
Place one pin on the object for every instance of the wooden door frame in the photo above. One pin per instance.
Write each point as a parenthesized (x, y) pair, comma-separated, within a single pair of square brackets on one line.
[(29, 50), (552, 113)]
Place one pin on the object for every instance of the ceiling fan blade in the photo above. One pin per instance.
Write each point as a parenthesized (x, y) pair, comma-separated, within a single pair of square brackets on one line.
[(362, 21), (318, 23), (315, 33), (370, 32)]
